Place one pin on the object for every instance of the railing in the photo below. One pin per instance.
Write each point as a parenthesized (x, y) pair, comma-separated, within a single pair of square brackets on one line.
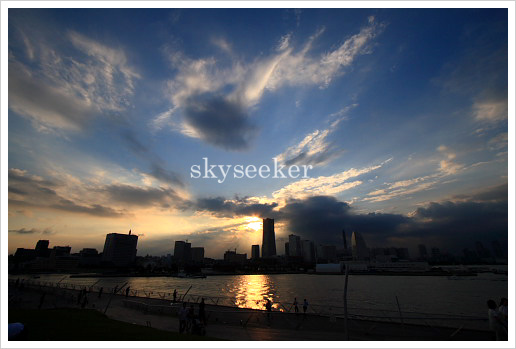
[(330, 311)]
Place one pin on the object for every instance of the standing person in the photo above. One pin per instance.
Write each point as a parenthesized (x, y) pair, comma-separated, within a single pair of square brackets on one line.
[(127, 291), (183, 313), (296, 308), (191, 318), (502, 309), (305, 306), (174, 295), (202, 313), (115, 290), (268, 306), (495, 321)]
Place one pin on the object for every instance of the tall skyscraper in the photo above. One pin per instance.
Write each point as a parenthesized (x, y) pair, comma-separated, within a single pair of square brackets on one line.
[(197, 254), (269, 238), (120, 249), (255, 251), (295, 248), (182, 252), (308, 251), (359, 247), (423, 253)]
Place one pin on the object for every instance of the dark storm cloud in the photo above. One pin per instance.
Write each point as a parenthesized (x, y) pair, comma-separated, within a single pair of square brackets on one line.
[(451, 224), (221, 207), (219, 121), (170, 177), (30, 191), (138, 196)]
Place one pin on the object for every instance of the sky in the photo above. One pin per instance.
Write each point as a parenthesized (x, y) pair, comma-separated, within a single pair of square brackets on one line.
[(402, 115)]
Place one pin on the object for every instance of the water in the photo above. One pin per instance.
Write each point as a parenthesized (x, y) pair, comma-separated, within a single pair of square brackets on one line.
[(421, 294)]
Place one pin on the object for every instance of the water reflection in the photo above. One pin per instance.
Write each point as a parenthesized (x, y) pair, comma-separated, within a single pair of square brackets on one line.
[(252, 291)]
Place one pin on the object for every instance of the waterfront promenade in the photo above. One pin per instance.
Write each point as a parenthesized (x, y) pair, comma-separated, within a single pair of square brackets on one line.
[(230, 323)]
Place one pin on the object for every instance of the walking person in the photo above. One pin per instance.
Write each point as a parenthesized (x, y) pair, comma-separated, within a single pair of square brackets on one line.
[(502, 309), (127, 291), (174, 295), (295, 304), (202, 313), (495, 321), (183, 313), (305, 306)]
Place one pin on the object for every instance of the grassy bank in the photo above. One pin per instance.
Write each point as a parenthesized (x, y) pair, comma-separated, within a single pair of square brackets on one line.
[(86, 325)]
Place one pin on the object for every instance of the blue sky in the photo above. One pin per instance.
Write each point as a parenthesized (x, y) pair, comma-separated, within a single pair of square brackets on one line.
[(401, 112)]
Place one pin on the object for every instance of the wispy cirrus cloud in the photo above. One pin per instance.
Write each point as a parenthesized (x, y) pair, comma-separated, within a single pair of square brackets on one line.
[(59, 91), (204, 86), (316, 149)]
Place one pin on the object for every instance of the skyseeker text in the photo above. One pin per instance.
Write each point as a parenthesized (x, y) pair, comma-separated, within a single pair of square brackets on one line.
[(220, 172)]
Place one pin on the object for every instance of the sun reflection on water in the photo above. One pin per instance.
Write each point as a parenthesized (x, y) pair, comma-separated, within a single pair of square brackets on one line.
[(252, 291)]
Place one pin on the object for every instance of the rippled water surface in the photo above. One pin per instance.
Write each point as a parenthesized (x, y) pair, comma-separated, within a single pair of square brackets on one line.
[(427, 294)]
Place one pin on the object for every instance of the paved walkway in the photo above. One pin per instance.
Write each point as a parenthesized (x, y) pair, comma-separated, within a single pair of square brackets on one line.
[(239, 324)]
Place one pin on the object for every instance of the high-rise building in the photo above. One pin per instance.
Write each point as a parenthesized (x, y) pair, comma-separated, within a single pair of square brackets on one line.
[(423, 254), (327, 253), (120, 249), (308, 250), (236, 258), (255, 252), (197, 254), (295, 248), (182, 252), (42, 248), (359, 247), (269, 238), (287, 249)]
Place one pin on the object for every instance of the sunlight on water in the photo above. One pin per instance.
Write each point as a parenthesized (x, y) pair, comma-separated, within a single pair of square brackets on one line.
[(252, 291)]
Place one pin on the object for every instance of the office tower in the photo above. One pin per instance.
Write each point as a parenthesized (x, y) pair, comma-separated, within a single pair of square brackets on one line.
[(498, 250), (295, 248), (359, 247), (182, 252), (308, 251), (235, 258), (197, 254), (327, 253), (287, 249), (120, 249), (269, 238), (42, 248), (255, 252), (423, 254)]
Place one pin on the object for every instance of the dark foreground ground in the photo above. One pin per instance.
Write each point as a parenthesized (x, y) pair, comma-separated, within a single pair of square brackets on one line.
[(147, 319)]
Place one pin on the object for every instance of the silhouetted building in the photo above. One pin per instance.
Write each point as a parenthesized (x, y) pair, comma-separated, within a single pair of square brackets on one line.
[(287, 249), (482, 252), (436, 254), (498, 250), (423, 254), (182, 252), (24, 254), (89, 257), (255, 252), (60, 251), (42, 248), (235, 258), (327, 253), (308, 251), (269, 238), (197, 254), (120, 249), (295, 248), (359, 247)]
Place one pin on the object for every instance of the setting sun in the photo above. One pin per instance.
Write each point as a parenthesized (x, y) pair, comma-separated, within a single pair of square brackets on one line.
[(254, 223)]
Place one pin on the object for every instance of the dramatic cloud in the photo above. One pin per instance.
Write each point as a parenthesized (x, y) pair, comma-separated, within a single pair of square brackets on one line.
[(221, 207), (211, 101), (219, 121)]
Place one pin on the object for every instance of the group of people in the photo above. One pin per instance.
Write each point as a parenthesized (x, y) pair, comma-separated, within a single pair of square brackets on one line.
[(189, 322), (295, 304), (498, 318)]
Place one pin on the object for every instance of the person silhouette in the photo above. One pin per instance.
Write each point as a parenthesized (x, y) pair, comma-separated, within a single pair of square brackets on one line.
[(295, 304)]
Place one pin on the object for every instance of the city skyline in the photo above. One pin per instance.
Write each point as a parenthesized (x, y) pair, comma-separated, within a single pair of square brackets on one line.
[(402, 113)]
